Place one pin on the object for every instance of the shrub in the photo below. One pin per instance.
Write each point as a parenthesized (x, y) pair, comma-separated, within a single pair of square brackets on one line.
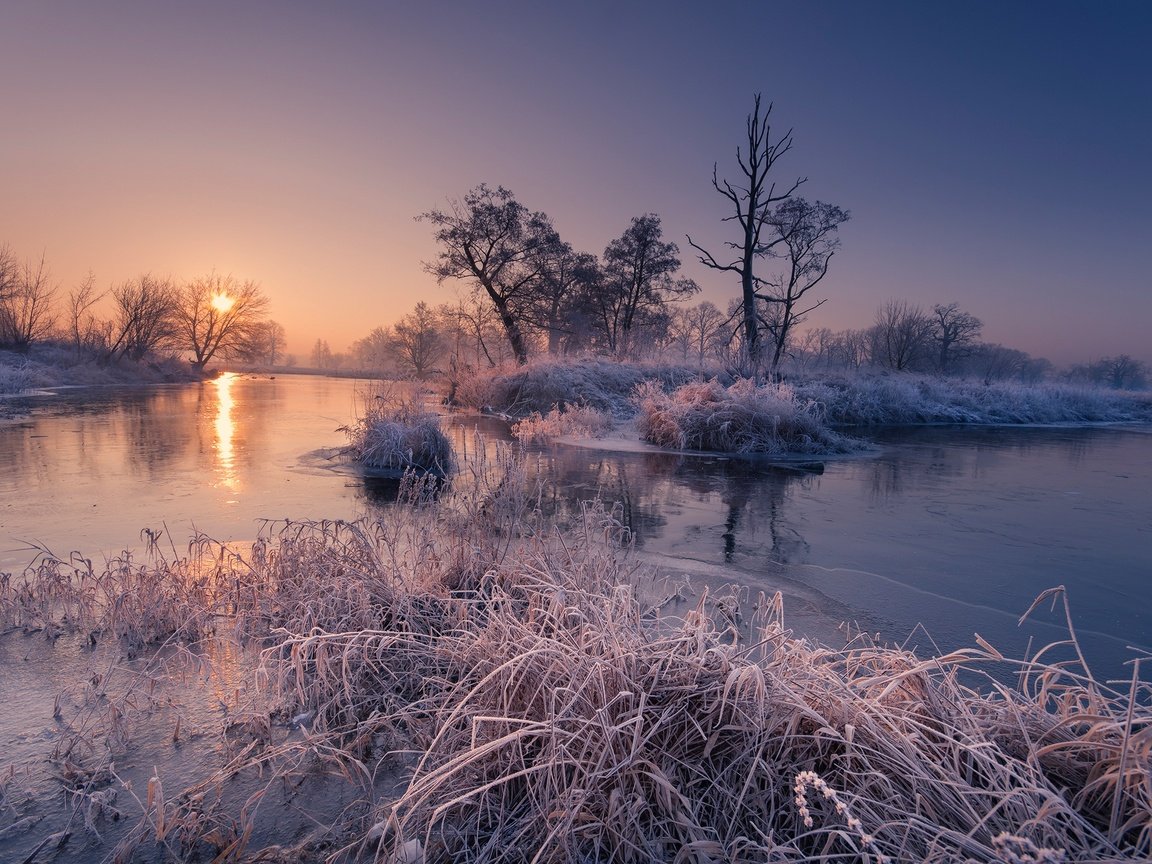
[(902, 399), (742, 418), (546, 384), (396, 435)]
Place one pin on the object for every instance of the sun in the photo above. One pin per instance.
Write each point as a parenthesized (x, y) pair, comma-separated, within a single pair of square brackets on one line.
[(222, 302)]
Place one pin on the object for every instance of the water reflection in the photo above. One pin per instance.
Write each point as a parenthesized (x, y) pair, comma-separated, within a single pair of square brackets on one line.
[(225, 432)]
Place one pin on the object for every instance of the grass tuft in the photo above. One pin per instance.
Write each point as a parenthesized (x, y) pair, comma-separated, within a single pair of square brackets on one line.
[(743, 418), (398, 434)]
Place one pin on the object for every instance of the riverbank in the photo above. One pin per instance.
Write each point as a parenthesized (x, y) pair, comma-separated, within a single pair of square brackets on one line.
[(491, 684), (683, 409), (47, 367)]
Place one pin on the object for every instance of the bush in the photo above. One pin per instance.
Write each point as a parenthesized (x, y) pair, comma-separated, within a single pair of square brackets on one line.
[(742, 418), (902, 399), (396, 435), (544, 384)]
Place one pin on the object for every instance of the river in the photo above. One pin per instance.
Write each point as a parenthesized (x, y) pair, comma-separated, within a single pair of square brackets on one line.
[(939, 533), (933, 536)]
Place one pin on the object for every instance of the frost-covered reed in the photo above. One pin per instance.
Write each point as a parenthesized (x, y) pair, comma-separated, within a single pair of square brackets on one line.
[(744, 418), (902, 399), (542, 711), (397, 433), (545, 384)]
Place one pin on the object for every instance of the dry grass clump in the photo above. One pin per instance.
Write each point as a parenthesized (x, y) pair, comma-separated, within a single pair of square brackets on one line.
[(397, 434), (580, 421), (898, 399), (553, 718), (743, 418), (546, 384), (556, 722)]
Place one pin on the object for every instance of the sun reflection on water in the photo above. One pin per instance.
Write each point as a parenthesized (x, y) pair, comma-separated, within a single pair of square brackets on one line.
[(225, 432)]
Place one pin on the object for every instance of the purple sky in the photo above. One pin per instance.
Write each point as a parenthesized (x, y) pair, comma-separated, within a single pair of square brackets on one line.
[(995, 154)]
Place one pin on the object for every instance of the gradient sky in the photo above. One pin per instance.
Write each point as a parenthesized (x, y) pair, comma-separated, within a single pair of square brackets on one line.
[(998, 154)]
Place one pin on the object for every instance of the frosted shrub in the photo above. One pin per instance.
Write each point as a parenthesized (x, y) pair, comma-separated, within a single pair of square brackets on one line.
[(399, 435), (742, 418), (905, 399), (546, 384)]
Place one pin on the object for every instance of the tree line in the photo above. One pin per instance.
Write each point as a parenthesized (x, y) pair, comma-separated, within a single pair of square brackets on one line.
[(527, 291), (202, 318)]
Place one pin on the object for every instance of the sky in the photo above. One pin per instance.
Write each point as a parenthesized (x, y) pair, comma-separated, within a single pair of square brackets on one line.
[(994, 154)]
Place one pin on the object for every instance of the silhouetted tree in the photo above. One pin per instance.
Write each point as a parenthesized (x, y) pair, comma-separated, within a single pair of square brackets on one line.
[(9, 272), (416, 343), (751, 201), (217, 313), (26, 308), (569, 279), (493, 240), (695, 331), (955, 333), (900, 335), (1122, 372), (321, 354), (83, 326), (264, 344), (144, 318), (639, 273), (994, 362), (805, 233)]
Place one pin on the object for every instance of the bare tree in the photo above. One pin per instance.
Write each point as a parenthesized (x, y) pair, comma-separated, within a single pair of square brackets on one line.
[(322, 355), (9, 272), (751, 201), (372, 352), (639, 279), (569, 279), (416, 342), (264, 344), (1122, 372), (144, 318), (806, 234), (493, 240), (996, 362), (26, 311), (696, 330), (900, 335), (217, 313), (83, 327), (955, 333)]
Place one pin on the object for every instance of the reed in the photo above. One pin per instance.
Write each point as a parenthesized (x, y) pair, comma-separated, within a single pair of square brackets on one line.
[(744, 418), (397, 433), (541, 711)]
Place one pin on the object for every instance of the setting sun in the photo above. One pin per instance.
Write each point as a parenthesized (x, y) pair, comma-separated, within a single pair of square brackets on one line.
[(222, 302)]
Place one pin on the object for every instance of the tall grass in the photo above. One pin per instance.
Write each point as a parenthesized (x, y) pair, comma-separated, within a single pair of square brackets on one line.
[(545, 384), (900, 399), (743, 418), (542, 712)]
